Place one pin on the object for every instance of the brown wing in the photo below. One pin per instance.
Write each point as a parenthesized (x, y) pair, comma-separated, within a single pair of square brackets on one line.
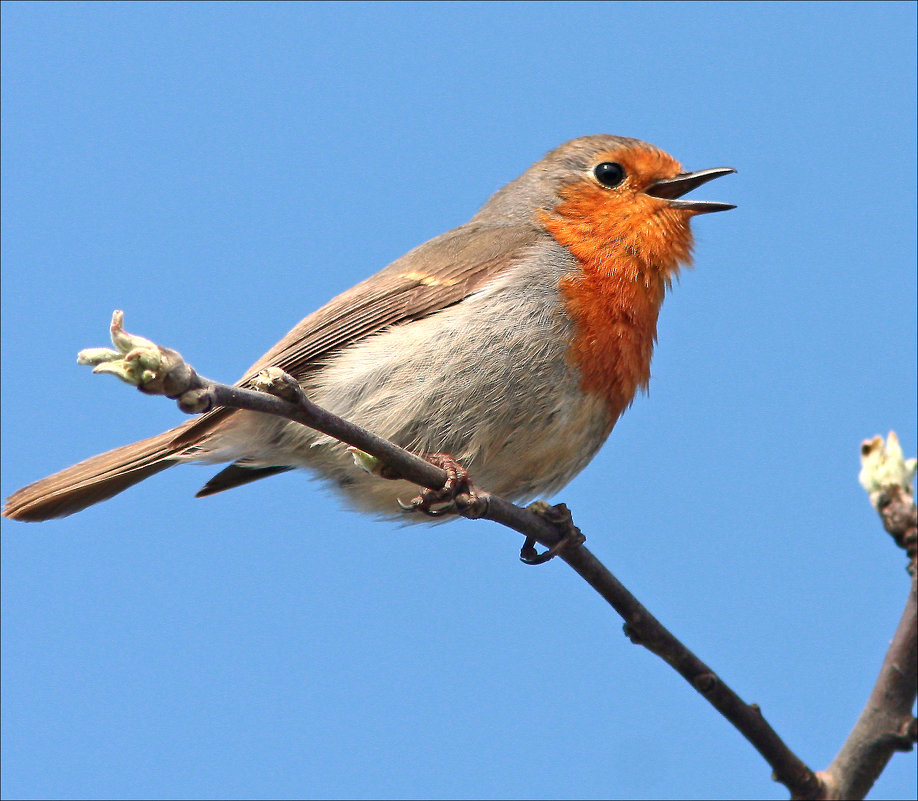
[(429, 278)]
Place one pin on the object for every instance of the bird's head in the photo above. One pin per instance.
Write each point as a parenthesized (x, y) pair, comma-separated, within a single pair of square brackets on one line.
[(615, 200)]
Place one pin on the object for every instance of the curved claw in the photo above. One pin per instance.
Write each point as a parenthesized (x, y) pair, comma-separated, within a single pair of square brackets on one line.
[(529, 555), (420, 504), (447, 498), (407, 507), (560, 517), (437, 512)]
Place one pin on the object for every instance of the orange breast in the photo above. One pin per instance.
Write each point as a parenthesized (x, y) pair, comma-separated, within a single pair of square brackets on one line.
[(628, 249)]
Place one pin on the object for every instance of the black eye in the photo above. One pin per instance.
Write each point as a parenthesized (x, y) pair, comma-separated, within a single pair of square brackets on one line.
[(609, 173)]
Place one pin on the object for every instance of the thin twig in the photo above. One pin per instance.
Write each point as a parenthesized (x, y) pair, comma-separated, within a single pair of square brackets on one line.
[(157, 370), (644, 629)]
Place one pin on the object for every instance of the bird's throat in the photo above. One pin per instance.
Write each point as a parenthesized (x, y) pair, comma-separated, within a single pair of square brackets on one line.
[(614, 300)]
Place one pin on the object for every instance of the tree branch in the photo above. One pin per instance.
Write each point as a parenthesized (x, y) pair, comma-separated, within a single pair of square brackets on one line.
[(644, 629), (886, 724), (157, 370)]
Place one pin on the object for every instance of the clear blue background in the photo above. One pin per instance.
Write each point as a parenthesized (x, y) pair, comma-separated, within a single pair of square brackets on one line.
[(219, 171)]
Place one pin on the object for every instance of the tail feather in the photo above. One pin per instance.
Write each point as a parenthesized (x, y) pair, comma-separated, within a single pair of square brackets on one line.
[(95, 479)]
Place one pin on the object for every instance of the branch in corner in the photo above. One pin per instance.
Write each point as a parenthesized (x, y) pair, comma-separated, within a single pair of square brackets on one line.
[(886, 724)]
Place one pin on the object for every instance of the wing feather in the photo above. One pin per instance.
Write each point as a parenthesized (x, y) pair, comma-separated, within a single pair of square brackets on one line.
[(429, 278)]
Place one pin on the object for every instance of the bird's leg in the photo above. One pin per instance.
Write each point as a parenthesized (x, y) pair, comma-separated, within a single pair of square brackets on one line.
[(458, 494), (560, 517)]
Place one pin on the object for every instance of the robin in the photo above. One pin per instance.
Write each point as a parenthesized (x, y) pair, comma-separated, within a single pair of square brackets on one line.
[(512, 343)]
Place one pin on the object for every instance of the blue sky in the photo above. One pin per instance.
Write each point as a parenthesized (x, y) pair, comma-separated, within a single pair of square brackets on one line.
[(219, 171)]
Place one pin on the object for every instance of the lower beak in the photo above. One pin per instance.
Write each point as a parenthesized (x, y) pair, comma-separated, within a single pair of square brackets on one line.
[(671, 189)]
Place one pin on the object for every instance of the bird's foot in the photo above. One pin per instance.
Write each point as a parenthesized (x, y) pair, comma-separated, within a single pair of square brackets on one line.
[(560, 517), (457, 495)]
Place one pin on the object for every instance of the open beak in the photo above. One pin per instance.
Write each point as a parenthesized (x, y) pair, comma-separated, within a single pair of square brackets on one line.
[(672, 189)]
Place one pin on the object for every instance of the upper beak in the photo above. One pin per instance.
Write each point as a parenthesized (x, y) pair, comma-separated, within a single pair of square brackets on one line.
[(672, 188)]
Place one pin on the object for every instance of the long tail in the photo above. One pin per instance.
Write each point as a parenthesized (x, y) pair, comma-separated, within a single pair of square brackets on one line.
[(95, 479)]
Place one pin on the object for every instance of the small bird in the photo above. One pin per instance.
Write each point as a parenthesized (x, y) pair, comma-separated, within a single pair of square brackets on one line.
[(512, 343)]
